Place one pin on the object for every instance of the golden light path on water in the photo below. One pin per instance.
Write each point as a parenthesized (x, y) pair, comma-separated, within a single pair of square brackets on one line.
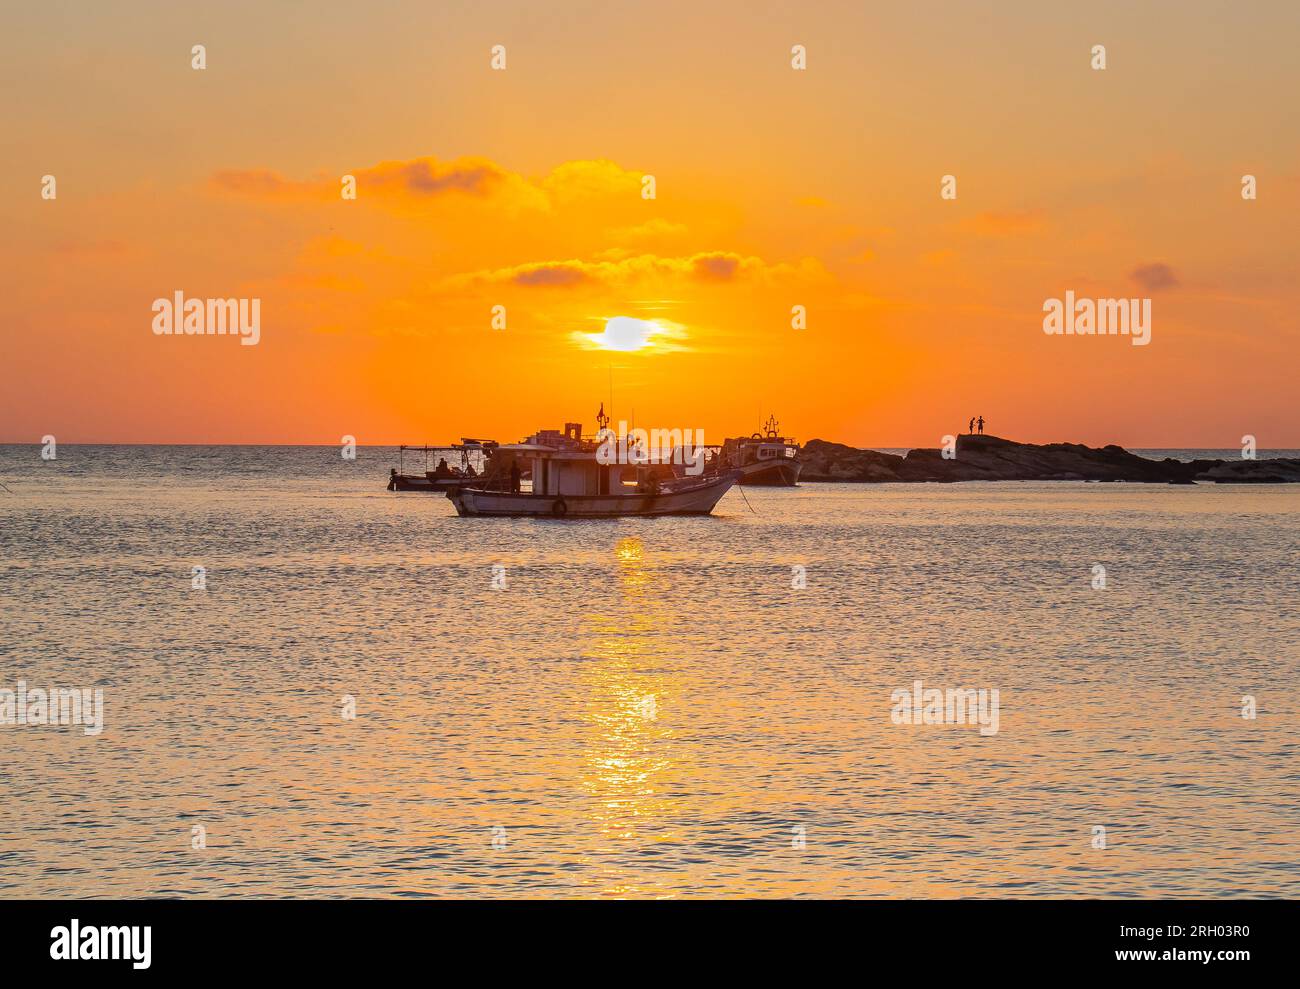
[(629, 750)]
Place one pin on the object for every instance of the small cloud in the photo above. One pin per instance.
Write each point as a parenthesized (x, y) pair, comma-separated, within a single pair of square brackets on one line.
[(717, 267), (713, 267), (1155, 276), (587, 179), (259, 183), (429, 177), (420, 180), (560, 274)]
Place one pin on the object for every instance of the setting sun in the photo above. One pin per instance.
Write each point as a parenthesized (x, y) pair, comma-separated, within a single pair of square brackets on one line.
[(626, 334)]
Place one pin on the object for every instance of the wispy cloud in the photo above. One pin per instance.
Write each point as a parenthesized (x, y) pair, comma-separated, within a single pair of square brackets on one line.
[(1155, 276), (421, 180), (717, 267)]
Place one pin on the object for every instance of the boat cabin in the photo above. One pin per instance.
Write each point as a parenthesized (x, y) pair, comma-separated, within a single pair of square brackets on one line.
[(564, 464)]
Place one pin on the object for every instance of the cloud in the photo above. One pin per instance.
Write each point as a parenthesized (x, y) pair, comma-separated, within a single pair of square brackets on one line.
[(588, 179), (260, 183), (423, 177), (423, 180), (563, 274), (713, 267), (716, 267), (1155, 276)]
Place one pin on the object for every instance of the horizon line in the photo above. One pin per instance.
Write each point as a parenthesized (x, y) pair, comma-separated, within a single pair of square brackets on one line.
[(869, 446)]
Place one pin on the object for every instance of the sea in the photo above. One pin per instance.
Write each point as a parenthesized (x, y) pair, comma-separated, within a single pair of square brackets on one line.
[(310, 686)]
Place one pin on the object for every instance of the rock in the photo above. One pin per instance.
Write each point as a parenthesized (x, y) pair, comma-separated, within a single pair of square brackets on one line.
[(825, 461), (992, 458), (1278, 471)]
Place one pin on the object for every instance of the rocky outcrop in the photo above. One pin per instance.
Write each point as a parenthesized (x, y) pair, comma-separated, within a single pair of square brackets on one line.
[(991, 458), (826, 461)]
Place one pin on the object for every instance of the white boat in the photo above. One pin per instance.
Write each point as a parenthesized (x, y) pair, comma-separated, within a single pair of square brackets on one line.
[(569, 482), (674, 498), (766, 458)]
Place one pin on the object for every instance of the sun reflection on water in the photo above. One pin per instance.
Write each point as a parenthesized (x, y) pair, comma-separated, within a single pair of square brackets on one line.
[(629, 754)]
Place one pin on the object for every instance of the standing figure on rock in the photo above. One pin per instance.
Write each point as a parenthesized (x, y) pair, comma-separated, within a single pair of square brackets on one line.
[(971, 427), (981, 425)]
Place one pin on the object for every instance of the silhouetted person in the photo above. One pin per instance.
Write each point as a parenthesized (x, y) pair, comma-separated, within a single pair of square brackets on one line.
[(514, 478), (442, 470), (971, 427), (981, 425)]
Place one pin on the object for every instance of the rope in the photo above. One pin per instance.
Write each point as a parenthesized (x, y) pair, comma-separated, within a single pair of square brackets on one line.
[(741, 489)]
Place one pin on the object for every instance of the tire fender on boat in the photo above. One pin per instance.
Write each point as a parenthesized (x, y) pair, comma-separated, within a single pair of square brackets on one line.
[(559, 508)]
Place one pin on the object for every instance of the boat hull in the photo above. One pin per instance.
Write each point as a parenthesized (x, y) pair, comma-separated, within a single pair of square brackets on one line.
[(429, 485), (697, 499), (772, 473)]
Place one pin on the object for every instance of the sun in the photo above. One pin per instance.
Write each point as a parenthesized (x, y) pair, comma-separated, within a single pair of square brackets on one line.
[(625, 334)]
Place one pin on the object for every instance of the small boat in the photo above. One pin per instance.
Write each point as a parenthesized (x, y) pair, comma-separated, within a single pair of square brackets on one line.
[(568, 481), (766, 458), (443, 478)]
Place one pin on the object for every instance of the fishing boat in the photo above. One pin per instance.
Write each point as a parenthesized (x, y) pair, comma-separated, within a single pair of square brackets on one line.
[(565, 479), (765, 458), (471, 458)]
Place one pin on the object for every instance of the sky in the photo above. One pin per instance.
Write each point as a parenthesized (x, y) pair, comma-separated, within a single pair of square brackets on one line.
[(774, 188)]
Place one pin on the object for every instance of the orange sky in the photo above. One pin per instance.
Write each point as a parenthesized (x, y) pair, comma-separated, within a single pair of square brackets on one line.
[(775, 188)]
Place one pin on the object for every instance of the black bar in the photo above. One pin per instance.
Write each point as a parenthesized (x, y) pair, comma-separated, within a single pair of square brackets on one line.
[(938, 941)]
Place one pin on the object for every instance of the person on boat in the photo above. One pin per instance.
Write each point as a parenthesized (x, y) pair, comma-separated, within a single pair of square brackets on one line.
[(442, 470), (981, 425), (514, 478)]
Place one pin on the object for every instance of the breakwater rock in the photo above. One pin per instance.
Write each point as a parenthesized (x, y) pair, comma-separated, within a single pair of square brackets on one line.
[(992, 458)]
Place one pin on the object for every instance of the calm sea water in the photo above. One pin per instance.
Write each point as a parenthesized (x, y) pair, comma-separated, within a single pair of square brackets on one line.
[(648, 708)]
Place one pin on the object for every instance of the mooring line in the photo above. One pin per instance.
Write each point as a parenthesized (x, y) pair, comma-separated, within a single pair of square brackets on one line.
[(745, 496)]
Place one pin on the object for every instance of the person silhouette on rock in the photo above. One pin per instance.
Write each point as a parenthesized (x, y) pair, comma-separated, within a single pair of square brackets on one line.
[(971, 427), (980, 422)]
